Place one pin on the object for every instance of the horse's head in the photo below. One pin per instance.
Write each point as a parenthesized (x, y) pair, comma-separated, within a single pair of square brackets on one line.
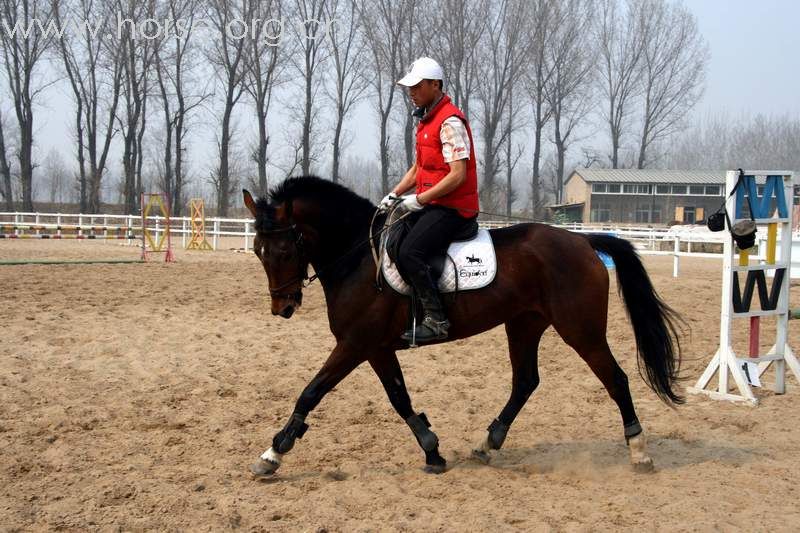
[(282, 246), (307, 220)]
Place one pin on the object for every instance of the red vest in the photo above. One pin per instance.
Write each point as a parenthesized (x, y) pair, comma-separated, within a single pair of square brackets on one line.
[(431, 167)]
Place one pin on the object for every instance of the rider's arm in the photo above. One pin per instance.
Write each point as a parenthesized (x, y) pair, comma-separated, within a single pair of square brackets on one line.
[(454, 178), (408, 181)]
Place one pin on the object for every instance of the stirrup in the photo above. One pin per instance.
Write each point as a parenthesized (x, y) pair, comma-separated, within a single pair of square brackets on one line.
[(429, 330)]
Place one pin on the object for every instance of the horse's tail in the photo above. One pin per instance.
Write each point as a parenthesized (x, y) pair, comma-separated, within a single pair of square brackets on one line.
[(655, 324)]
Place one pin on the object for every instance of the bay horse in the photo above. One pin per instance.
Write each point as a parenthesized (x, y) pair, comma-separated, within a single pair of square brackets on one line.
[(546, 276)]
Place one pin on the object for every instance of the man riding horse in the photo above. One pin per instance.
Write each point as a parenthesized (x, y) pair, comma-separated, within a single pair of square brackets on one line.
[(445, 201)]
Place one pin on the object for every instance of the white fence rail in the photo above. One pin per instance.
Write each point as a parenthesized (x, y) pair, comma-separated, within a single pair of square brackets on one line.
[(649, 241)]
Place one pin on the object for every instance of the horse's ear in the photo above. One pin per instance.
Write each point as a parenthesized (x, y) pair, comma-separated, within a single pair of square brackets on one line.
[(249, 202)]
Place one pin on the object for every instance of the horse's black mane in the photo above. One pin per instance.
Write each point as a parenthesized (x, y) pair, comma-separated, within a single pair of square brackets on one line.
[(344, 217), (339, 205)]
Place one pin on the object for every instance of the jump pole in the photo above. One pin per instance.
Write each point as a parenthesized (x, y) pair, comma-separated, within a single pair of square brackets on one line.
[(198, 219), (156, 245), (738, 304)]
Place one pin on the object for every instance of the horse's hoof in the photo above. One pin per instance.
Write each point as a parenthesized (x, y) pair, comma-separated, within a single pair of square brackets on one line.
[(263, 468), (435, 469), (644, 467), (481, 456)]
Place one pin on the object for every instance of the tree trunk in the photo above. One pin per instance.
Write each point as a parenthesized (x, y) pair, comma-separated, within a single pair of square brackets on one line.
[(489, 169), (84, 200), (140, 152), (408, 140), (261, 152), (178, 192), (25, 162), (5, 171), (384, 154), (223, 184), (306, 162), (337, 139)]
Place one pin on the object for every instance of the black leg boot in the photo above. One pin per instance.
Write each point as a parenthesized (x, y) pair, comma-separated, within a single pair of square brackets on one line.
[(434, 324)]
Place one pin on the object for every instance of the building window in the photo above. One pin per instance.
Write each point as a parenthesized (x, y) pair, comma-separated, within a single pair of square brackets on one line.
[(599, 187), (713, 190), (642, 213), (663, 189), (655, 216), (697, 189), (635, 188), (613, 187), (689, 215), (601, 213), (679, 189)]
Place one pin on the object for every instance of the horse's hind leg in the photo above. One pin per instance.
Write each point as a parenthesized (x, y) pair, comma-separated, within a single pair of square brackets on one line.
[(524, 332), (588, 338)]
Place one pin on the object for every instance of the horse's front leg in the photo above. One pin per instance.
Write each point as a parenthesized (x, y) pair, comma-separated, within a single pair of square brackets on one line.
[(387, 368), (339, 364)]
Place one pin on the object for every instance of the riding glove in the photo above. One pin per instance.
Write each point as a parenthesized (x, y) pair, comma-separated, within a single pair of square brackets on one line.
[(411, 203), (388, 201)]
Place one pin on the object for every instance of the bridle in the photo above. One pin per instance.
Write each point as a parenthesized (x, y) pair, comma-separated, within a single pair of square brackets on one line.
[(297, 237), (303, 277)]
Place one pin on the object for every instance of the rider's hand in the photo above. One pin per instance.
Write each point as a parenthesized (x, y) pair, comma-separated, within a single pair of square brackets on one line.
[(388, 201), (411, 203)]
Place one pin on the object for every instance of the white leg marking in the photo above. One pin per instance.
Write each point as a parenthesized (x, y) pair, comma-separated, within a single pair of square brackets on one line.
[(638, 448), (272, 456), (483, 446)]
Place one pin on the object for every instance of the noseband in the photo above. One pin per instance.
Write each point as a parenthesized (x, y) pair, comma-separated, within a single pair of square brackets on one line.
[(297, 236)]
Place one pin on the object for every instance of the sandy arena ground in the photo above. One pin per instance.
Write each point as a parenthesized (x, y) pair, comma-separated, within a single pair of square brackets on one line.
[(134, 397)]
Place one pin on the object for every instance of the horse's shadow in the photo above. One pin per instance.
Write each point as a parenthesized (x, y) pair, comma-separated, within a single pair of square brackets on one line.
[(577, 456)]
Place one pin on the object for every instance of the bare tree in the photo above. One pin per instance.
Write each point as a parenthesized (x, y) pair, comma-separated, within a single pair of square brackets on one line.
[(177, 76), (382, 22), (723, 141), (569, 88), (452, 31), (311, 52), (513, 153), (349, 77), (56, 176), (619, 36), (410, 50), (137, 57), (267, 62), (92, 59), (674, 61), (23, 51), (227, 54), (537, 77), (505, 51)]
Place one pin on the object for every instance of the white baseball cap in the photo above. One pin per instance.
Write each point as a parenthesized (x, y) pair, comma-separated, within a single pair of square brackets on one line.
[(423, 68)]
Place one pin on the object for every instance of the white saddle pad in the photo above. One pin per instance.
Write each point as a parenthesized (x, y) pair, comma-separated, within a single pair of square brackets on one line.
[(473, 264)]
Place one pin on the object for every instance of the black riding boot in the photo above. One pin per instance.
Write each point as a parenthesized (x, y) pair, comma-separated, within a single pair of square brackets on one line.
[(434, 324)]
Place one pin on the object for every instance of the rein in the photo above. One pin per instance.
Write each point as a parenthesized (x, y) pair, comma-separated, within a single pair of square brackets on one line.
[(307, 280)]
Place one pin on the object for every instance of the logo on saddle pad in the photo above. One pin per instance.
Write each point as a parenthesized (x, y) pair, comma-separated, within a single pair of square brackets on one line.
[(470, 265)]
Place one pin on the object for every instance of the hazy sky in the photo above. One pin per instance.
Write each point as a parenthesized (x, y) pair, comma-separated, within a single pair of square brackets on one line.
[(755, 54), (755, 68)]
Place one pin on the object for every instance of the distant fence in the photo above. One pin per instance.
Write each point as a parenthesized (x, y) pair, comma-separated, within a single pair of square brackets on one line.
[(649, 241)]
